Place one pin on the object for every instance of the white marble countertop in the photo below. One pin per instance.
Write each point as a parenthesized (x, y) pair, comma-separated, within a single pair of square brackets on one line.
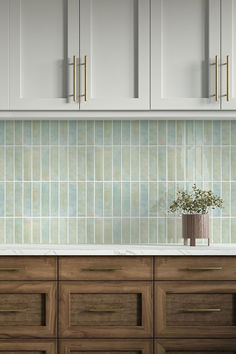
[(116, 250)]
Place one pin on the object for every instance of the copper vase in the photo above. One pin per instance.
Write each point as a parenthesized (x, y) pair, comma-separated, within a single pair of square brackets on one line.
[(195, 226)]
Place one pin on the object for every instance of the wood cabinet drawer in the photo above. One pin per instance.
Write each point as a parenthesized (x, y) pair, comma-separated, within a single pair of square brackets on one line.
[(105, 268), (101, 309), (194, 346), (195, 309), (27, 268), (27, 309), (195, 268), (28, 347), (99, 346)]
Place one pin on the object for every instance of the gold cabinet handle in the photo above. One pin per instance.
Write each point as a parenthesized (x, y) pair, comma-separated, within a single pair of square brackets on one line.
[(105, 310), (74, 77), (227, 78), (202, 310), (13, 310), (203, 268), (216, 78), (95, 269), (11, 269)]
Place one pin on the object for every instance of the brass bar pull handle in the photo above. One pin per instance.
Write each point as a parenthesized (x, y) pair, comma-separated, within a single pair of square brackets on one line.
[(13, 310), (227, 78), (105, 310), (216, 78), (95, 269), (202, 310), (74, 77), (11, 269), (203, 268)]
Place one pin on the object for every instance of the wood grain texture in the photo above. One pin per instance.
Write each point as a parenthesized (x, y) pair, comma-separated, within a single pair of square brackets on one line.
[(30, 268), (189, 329), (179, 268), (105, 268), (96, 329), (28, 347), (39, 301), (195, 346), (195, 226), (101, 346)]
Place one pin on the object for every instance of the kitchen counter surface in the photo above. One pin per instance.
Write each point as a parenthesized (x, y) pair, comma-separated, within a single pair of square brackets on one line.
[(116, 250)]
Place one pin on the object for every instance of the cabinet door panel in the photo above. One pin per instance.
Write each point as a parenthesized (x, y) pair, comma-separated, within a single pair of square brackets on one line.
[(185, 40), (4, 58), (40, 55), (114, 35), (27, 347), (228, 49)]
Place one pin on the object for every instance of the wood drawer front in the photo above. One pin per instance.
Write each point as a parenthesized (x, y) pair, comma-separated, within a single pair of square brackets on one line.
[(101, 309), (27, 268), (97, 346), (27, 309), (28, 347), (195, 268), (195, 346), (105, 268), (195, 309)]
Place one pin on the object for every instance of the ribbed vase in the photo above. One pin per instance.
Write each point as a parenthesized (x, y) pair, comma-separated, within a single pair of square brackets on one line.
[(195, 226)]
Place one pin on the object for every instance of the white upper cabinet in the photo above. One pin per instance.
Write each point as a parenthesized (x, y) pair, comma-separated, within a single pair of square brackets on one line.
[(185, 48), (4, 57), (114, 39), (40, 64), (228, 57)]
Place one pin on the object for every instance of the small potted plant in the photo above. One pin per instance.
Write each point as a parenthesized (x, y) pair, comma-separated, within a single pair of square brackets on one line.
[(194, 207)]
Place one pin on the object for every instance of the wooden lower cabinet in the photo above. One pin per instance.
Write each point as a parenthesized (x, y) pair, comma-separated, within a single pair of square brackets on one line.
[(126, 346), (105, 309), (28, 347), (27, 309), (195, 346)]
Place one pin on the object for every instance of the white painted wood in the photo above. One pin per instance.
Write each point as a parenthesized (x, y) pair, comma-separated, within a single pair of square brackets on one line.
[(114, 34), (4, 57), (40, 70), (229, 48), (185, 38)]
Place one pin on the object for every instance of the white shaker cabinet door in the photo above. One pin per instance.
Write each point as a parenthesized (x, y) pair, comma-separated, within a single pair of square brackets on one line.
[(114, 38), (4, 56), (228, 58), (44, 38), (185, 42)]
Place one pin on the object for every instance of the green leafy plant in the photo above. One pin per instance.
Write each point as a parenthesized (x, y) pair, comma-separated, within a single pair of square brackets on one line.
[(195, 202)]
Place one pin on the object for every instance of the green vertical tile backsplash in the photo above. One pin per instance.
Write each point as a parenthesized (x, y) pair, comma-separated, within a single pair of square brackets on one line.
[(111, 181)]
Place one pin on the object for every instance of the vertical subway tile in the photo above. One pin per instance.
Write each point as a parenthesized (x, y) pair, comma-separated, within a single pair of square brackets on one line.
[(81, 132), (9, 231), (144, 163), (216, 230), (18, 133), (107, 173), (180, 128), (98, 163), (63, 158), (208, 139), (45, 199), (54, 233), (116, 199), (63, 230), (99, 132), (2, 132), (233, 132), (36, 161), (190, 163), (207, 163), (190, 132), (171, 163), (134, 230), (9, 163), (45, 163), (63, 132), (117, 231), (81, 205), (171, 193), (54, 165), (225, 163), (216, 132), (36, 199), (217, 190), (2, 230), (36, 132), (233, 230), (233, 163), (161, 164), (2, 163), (143, 132), (135, 132), (99, 199), (134, 199), (82, 231), (3, 196), (125, 132), (45, 230), (144, 230), (125, 232), (161, 199), (199, 138), (18, 231), (153, 199), (161, 230), (72, 231), (226, 198), (144, 199), (98, 231), (108, 199), (153, 163), (90, 164), (125, 199), (90, 230), (45, 132), (72, 199), (72, 164), (72, 132), (161, 132), (90, 199), (171, 136), (226, 230), (116, 132), (153, 230), (63, 198), (152, 132), (18, 199), (107, 132), (125, 163), (233, 198), (226, 129), (9, 198), (53, 140), (18, 163), (134, 163), (180, 163), (217, 164), (108, 231), (90, 132), (9, 126), (171, 230), (81, 163), (27, 230), (27, 164)]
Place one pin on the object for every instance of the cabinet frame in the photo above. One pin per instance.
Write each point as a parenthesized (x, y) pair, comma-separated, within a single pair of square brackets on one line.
[(49, 347), (163, 346)]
